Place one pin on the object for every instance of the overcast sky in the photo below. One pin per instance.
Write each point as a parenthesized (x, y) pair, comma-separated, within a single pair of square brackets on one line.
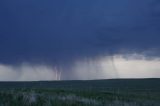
[(61, 32)]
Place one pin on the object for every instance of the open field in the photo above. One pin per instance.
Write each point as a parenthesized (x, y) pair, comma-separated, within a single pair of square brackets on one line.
[(116, 92)]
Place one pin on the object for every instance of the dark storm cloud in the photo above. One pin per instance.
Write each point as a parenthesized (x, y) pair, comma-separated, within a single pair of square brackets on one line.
[(58, 30)]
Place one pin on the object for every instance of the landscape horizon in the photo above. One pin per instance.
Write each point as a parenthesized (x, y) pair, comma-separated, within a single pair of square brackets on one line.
[(79, 52)]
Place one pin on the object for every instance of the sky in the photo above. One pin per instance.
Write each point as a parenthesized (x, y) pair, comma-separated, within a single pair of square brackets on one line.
[(79, 39)]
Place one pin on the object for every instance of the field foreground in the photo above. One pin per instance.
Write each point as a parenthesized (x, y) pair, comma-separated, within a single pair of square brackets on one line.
[(115, 92)]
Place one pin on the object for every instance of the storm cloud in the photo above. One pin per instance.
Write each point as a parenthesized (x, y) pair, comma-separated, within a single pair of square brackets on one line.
[(61, 32)]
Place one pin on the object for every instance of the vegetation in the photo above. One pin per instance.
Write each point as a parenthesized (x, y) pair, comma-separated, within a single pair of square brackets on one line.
[(77, 93)]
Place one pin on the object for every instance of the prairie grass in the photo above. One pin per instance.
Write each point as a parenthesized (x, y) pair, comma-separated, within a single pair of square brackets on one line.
[(71, 97)]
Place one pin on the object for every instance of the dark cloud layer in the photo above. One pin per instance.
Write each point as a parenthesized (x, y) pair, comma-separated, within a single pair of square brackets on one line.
[(59, 30)]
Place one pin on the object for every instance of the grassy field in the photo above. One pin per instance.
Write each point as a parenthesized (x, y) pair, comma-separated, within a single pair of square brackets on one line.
[(117, 92)]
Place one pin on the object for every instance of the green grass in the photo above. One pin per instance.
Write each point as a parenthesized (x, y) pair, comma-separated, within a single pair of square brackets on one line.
[(77, 93)]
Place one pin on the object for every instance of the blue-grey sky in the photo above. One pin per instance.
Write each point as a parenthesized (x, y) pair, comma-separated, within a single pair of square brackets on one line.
[(61, 31)]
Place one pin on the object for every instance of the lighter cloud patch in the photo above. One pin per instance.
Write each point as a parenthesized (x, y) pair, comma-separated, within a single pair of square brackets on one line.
[(105, 67), (140, 67), (100, 68), (26, 72), (117, 66), (7, 73)]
